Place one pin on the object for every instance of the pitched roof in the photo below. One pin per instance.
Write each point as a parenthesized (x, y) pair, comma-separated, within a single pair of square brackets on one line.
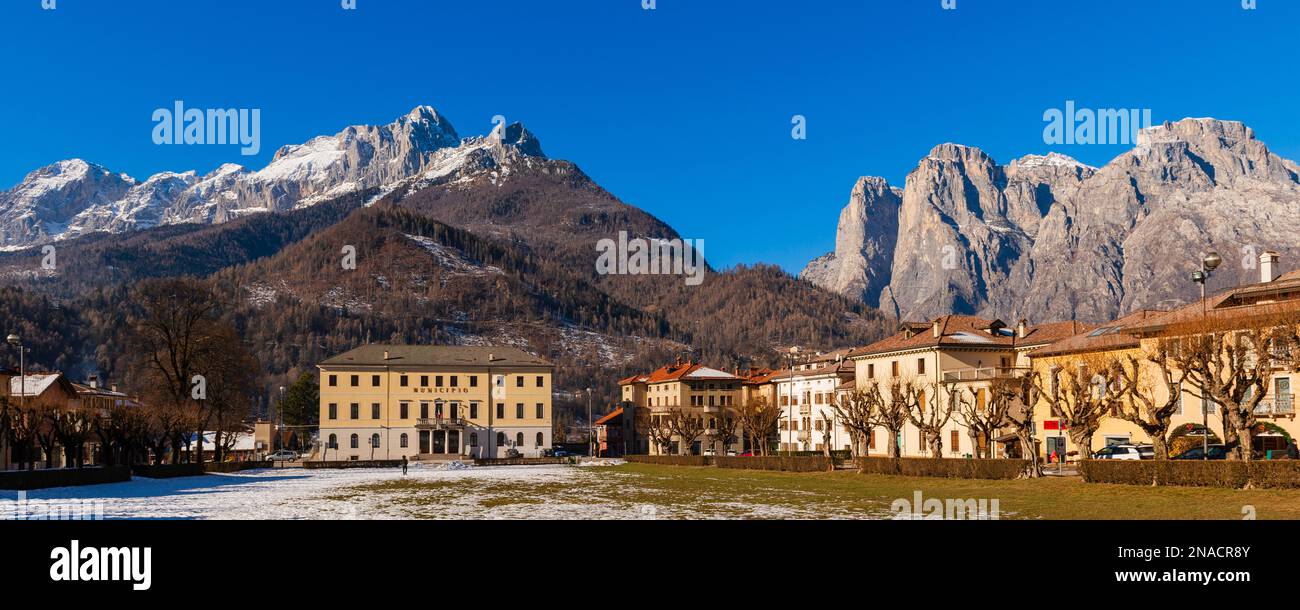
[(435, 355), (36, 384), (1109, 336), (609, 417), (1237, 304), (681, 371), (967, 331)]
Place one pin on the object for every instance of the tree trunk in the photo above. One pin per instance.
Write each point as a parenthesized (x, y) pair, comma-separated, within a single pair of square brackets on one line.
[(894, 450), (1160, 444), (1082, 442)]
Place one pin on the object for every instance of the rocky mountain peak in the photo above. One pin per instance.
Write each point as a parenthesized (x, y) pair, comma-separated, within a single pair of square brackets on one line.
[(74, 197), (1048, 237)]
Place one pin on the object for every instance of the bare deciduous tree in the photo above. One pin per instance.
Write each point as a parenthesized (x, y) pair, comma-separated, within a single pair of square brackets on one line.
[(1231, 363), (928, 410), (1082, 397), (759, 421), (687, 427), (857, 411), (1140, 404)]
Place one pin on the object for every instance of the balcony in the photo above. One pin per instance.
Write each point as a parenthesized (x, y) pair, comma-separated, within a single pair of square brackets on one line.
[(439, 423), (1282, 406), (804, 436), (985, 374)]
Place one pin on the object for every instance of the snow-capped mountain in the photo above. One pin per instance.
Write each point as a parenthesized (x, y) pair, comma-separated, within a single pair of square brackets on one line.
[(73, 198)]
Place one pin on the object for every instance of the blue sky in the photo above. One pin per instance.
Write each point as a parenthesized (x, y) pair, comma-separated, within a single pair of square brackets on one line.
[(684, 110)]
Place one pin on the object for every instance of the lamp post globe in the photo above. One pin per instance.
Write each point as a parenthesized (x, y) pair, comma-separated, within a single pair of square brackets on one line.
[(14, 340), (1212, 261)]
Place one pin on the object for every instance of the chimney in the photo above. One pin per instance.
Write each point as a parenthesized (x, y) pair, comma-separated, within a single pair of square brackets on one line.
[(1022, 329), (385, 355), (93, 381), (1269, 266), (938, 328)]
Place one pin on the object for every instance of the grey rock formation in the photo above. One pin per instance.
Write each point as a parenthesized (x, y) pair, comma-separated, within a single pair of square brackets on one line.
[(864, 243), (1050, 238)]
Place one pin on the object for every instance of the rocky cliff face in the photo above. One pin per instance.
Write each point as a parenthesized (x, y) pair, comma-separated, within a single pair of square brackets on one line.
[(864, 243), (73, 198), (1051, 238)]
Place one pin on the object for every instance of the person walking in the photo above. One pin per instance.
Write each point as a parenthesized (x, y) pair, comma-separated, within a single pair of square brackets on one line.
[(405, 463), (1292, 452)]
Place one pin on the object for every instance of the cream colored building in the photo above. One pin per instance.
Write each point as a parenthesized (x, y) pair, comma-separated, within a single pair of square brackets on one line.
[(386, 402), (806, 397), (709, 394), (964, 350), (1136, 335)]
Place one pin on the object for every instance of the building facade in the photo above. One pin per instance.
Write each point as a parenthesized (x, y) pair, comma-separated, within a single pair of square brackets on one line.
[(806, 396), (708, 396), (1137, 335), (386, 402), (964, 352)]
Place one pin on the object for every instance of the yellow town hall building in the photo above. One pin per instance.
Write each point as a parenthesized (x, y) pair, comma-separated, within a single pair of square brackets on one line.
[(385, 402)]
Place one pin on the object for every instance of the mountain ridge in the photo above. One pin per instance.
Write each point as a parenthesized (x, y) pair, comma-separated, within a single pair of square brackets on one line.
[(1048, 237)]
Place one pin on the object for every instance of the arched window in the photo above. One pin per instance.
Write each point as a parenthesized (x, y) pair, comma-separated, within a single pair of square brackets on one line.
[(404, 440), (539, 439), (374, 440), (356, 441), (519, 439), (501, 439), (334, 442), (473, 439)]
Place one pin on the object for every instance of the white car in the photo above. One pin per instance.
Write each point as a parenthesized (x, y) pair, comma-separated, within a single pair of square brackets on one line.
[(283, 455), (1124, 452), (710, 452)]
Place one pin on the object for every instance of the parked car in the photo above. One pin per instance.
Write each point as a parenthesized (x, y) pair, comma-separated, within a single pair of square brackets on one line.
[(1119, 452), (1217, 452), (710, 452), (747, 454), (283, 455), (557, 453), (1147, 452), (732, 453)]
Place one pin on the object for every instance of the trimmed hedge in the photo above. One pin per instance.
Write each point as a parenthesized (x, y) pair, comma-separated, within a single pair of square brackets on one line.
[(168, 471), (947, 468), (226, 467), (1280, 474), (24, 480), (837, 455), (344, 464), (671, 460), (521, 461), (781, 463)]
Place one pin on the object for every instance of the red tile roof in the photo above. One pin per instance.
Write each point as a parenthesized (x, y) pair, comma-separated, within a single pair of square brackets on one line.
[(610, 416), (1281, 296), (968, 331), (679, 372), (1109, 336)]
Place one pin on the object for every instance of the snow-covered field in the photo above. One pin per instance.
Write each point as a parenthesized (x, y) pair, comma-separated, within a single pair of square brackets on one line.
[(427, 492)]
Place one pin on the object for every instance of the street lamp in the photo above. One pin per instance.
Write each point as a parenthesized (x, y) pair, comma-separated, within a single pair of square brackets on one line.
[(789, 424), (591, 428), (17, 342), (1209, 263)]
